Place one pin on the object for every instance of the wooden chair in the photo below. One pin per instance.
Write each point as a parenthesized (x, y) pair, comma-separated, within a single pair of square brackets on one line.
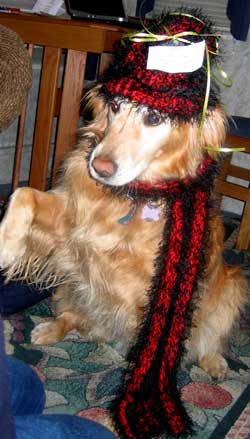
[(238, 136), (66, 45)]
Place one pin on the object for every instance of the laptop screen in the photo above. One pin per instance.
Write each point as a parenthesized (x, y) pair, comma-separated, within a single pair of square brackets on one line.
[(97, 8)]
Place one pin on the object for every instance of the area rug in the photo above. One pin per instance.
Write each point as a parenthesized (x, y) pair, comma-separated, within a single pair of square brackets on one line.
[(82, 378)]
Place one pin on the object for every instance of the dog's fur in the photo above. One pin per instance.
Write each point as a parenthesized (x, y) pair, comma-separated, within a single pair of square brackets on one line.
[(71, 237)]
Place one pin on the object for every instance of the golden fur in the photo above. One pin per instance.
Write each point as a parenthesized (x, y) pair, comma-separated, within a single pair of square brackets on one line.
[(70, 237)]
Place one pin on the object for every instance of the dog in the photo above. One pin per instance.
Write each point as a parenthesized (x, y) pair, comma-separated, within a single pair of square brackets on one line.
[(74, 237)]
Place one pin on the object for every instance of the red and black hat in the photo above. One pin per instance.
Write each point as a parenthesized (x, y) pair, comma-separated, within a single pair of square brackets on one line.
[(179, 95)]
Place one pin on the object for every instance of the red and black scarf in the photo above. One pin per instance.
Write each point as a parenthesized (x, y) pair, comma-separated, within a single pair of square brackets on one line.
[(149, 403)]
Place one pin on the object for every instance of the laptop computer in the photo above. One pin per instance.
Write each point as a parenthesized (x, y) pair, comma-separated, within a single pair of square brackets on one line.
[(111, 11)]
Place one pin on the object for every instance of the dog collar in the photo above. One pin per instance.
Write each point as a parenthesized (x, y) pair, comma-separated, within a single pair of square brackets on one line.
[(151, 212)]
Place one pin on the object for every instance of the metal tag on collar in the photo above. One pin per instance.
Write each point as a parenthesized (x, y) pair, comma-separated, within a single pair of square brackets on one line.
[(127, 218)]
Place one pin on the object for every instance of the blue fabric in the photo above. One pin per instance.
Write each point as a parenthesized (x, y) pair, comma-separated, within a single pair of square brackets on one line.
[(239, 126), (6, 420), (59, 427), (27, 403), (16, 296), (27, 394), (238, 11)]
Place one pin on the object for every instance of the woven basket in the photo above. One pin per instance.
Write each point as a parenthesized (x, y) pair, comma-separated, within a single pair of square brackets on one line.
[(15, 76)]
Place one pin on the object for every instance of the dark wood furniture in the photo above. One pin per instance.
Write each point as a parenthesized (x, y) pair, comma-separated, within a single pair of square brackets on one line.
[(57, 104), (231, 188)]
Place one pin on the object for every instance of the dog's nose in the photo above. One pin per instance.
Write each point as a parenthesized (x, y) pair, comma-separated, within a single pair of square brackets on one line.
[(104, 166)]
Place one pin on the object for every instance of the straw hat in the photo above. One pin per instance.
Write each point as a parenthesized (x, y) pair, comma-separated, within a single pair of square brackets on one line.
[(15, 76)]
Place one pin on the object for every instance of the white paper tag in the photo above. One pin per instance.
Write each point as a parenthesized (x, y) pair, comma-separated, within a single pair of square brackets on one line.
[(176, 59), (51, 7)]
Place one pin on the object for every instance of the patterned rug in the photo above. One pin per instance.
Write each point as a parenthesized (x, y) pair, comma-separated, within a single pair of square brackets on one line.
[(82, 378)]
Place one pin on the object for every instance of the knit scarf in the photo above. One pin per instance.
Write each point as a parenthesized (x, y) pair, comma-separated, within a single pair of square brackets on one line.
[(149, 403)]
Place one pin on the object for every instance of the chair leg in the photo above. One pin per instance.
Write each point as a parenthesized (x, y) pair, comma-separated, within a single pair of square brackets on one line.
[(243, 241)]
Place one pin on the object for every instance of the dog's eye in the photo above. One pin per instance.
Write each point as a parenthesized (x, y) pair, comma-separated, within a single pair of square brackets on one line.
[(152, 118), (115, 106)]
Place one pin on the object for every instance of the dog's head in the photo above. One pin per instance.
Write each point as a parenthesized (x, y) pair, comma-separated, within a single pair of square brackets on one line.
[(137, 143), (149, 115)]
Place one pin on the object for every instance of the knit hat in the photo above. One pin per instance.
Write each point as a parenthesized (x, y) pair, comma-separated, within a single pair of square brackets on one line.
[(178, 94), (15, 76)]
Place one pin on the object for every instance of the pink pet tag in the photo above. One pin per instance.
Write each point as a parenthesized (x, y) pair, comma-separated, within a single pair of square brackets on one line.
[(150, 212)]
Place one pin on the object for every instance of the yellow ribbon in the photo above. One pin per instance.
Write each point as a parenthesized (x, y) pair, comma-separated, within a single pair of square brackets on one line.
[(224, 149), (148, 37), (205, 105)]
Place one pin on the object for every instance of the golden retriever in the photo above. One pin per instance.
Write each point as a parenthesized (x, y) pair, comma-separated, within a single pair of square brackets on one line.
[(72, 237)]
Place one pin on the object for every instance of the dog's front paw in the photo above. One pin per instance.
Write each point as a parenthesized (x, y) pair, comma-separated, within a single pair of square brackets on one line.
[(215, 366), (47, 333), (15, 227), (12, 247)]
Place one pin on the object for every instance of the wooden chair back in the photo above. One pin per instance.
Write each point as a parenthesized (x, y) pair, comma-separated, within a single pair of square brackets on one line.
[(232, 189), (66, 45)]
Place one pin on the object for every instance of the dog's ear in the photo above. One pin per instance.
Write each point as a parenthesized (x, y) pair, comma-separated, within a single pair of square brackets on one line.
[(214, 129), (95, 114), (184, 148), (93, 103)]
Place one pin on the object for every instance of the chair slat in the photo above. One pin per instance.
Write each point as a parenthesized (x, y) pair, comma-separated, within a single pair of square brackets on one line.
[(238, 142), (44, 118), (105, 60), (244, 231), (238, 172), (69, 112), (20, 139), (19, 149), (232, 190)]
